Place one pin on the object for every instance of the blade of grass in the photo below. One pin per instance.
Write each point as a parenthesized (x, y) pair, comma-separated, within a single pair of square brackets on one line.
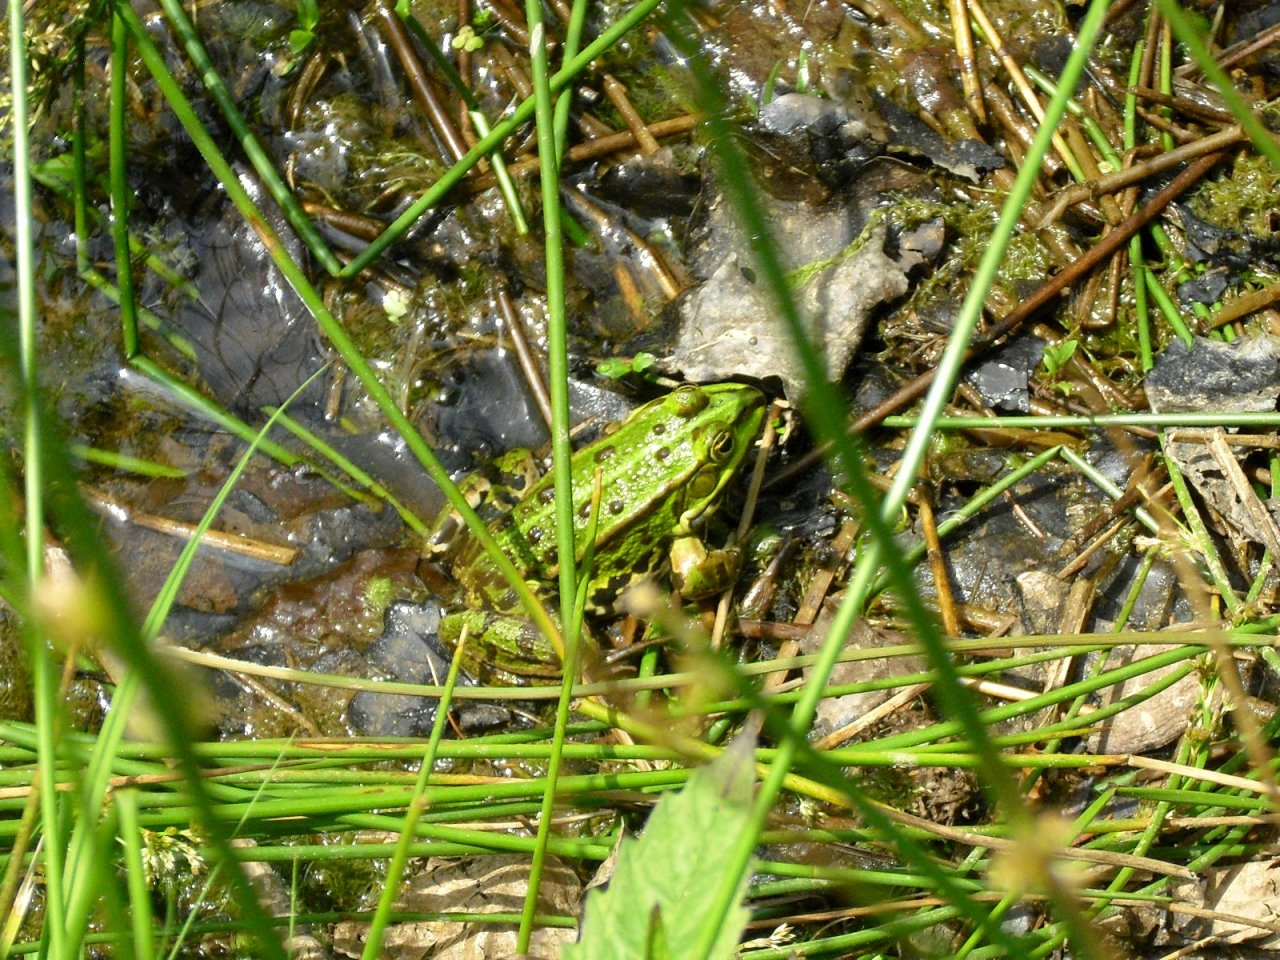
[(561, 444), (506, 185), (92, 882), (140, 918), (43, 678), (400, 857), (351, 469), (125, 463), (19, 874), (1200, 539), (194, 400), (80, 205), (564, 103), (99, 768), (120, 192)]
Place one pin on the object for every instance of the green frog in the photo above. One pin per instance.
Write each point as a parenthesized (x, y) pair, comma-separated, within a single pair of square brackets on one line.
[(663, 470)]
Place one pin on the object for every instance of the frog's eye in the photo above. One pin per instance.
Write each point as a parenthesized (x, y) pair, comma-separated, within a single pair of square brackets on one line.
[(688, 400), (721, 446)]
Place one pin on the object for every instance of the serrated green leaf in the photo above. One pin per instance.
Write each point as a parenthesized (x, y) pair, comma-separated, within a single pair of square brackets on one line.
[(654, 900)]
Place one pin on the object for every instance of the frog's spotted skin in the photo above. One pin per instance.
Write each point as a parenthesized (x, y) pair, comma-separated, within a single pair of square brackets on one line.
[(663, 471)]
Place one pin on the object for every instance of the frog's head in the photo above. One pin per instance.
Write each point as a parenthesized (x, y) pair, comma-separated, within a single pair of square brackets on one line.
[(722, 422)]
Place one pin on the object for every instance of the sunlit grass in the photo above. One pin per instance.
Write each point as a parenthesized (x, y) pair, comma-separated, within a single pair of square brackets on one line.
[(78, 808)]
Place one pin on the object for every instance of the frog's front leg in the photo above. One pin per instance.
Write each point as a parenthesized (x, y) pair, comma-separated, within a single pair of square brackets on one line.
[(502, 648), (698, 572)]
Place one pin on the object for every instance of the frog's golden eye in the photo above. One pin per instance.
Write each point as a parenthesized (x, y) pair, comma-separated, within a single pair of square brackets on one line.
[(721, 446)]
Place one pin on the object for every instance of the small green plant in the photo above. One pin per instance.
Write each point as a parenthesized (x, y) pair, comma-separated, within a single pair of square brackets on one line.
[(618, 367), (305, 34), (804, 82), (467, 39), (1056, 355), (804, 79)]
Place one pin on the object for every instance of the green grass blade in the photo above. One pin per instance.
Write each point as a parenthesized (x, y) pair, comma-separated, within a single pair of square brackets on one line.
[(506, 185), (564, 103), (120, 192), (44, 678), (140, 918), (561, 445), (407, 833), (353, 470), (100, 766), (125, 463)]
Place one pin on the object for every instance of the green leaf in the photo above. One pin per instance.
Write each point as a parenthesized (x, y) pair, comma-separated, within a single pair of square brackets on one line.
[(1056, 355), (299, 40), (655, 898), (613, 369), (803, 81), (308, 15), (619, 367), (770, 82)]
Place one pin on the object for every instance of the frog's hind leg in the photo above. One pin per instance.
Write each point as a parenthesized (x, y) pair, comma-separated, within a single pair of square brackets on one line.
[(502, 648)]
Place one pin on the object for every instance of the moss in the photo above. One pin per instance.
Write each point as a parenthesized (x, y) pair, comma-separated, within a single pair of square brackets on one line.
[(969, 224), (1245, 201)]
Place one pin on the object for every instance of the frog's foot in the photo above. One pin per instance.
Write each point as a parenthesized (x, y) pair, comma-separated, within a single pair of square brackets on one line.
[(501, 648), (698, 572)]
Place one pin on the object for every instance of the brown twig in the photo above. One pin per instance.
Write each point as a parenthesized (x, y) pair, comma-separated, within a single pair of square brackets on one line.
[(1184, 105), (1243, 306), (617, 95), (529, 365), (969, 77), (215, 539), (599, 147), (1112, 182), (512, 21), (938, 564), (1237, 51), (423, 87), (465, 126)]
